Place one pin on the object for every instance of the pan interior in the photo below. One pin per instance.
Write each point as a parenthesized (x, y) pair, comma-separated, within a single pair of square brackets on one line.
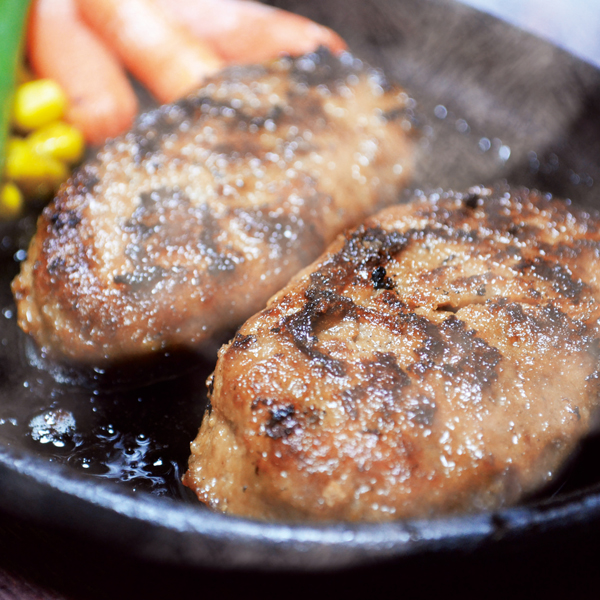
[(493, 102)]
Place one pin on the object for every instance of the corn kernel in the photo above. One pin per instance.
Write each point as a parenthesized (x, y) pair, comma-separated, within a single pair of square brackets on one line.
[(35, 173), (58, 140), (38, 103), (11, 201)]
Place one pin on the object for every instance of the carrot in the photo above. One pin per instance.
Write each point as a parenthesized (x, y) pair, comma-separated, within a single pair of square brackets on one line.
[(163, 55), (243, 31), (102, 102)]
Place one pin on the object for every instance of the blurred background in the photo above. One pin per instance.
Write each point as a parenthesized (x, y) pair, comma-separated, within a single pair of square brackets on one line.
[(572, 24)]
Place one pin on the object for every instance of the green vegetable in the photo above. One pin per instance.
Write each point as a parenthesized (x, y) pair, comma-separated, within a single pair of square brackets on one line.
[(13, 14)]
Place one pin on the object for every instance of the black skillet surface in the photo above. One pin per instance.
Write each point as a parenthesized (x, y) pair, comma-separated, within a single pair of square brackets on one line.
[(104, 466)]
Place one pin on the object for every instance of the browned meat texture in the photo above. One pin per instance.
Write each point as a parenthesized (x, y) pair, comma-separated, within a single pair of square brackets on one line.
[(442, 357), (184, 227)]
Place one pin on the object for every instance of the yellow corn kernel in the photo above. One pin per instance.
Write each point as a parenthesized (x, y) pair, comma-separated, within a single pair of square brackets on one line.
[(58, 140), (11, 201), (38, 103), (36, 174)]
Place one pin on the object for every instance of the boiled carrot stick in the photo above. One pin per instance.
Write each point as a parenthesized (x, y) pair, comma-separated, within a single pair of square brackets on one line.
[(164, 56), (60, 46), (246, 32)]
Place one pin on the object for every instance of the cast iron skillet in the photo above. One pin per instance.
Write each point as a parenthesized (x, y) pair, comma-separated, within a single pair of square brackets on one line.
[(494, 103)]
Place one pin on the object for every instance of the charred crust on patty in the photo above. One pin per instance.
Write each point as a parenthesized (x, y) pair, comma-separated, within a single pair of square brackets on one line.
[(474, 359), (383, 385), (472, 200), (282, 422), (322, 68), (561, 279), (380, 279), (60, 220), (243, 342)]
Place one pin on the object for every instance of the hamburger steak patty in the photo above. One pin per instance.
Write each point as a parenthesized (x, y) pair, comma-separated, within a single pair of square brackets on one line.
[(442, 357), (179, 230)]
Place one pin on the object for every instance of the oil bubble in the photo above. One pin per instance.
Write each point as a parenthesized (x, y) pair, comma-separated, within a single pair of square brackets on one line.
[(20, 255), (504, 152), (484, 144), (53, 427), (440, 111)]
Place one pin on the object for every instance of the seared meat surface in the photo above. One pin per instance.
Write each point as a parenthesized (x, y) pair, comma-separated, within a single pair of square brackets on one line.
[(442, 357), (181, 229)]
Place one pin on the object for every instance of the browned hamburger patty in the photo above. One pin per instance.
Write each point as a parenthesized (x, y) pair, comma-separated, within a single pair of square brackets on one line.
[(184, 227), (442, 357)]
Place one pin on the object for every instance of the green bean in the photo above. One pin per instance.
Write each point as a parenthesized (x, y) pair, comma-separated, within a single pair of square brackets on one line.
[(13, 15)]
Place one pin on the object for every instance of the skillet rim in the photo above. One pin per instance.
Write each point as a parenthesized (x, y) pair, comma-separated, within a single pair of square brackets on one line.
[(167, 531)]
